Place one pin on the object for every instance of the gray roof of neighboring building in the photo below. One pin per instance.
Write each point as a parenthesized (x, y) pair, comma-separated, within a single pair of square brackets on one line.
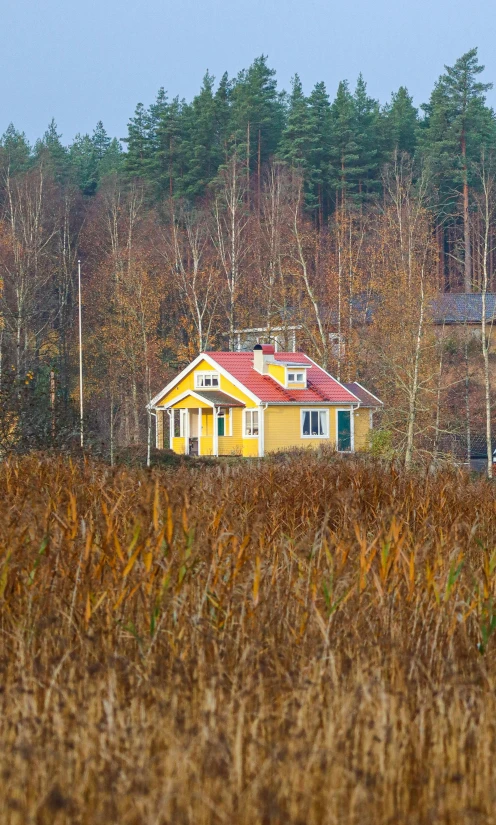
[(463, 308), (220, 399), (366, 398)]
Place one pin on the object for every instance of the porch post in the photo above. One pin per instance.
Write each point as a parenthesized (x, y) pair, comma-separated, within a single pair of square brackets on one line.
[(216, 433), (261, 434), (199, 429), (186, 431)]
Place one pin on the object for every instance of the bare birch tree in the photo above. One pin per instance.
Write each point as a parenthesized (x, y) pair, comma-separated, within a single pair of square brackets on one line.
[(231, 235)]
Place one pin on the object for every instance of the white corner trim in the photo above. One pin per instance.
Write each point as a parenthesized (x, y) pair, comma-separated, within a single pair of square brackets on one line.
[(261, 430)]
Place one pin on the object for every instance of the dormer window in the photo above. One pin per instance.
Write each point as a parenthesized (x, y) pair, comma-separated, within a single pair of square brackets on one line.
[(296, 377), (206, 380)]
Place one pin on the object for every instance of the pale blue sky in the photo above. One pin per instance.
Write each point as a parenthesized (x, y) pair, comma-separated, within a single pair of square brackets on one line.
[(80, 62)]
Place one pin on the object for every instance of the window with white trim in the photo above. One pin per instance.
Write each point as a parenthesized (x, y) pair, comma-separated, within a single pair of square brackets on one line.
[(315, 423), (206, 380), (251, 423), (178, 423), (296, 377)]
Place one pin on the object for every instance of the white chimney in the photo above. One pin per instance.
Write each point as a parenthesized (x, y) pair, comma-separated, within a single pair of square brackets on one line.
[(263, 354)]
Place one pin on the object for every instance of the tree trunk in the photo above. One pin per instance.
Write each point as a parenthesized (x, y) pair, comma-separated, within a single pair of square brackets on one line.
[(467, 400), (111, 429), (438, 399), (486, 337), (467, 274), (414, 389)]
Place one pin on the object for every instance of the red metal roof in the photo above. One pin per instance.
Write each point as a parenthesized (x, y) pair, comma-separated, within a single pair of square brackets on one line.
[(321, 387)]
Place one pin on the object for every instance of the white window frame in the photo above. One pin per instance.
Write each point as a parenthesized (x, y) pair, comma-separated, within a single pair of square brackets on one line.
[(249, 414), (200, 380), (351, 411), (317, 410), (295, 373)]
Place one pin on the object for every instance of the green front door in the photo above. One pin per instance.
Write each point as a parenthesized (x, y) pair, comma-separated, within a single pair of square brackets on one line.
[(344, 430), (221, 425)]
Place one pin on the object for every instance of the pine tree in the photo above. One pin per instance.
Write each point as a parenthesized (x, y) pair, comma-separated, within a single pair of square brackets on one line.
[(257, 113), (112, 160), (297, 138), (139, 144), (223, 97), (15, 151), (367, 139), (202, 144), (344, 147), (53, 154), (320, 153), (100, 141), (81, 161), (168, 165), (457, 126), (399, 124)]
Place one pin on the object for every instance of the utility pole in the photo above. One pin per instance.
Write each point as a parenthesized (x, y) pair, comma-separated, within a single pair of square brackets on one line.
[(80, 360)]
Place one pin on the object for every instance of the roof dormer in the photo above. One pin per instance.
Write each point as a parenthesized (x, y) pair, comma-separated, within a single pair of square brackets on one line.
[(296, 377)]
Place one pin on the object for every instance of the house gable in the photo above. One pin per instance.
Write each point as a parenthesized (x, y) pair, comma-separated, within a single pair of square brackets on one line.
[(185, 381)]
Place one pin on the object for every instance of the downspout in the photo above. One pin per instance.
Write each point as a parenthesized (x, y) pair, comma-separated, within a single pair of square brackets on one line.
[(353, 411), (170, 413)]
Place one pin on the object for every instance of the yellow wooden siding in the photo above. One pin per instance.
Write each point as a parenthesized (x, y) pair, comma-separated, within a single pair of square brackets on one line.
[(207, 423), (233, 444), (206, 445), (178, 445), (362, 429), (250, 447), (228, 387), (278, 372), (283, 429)]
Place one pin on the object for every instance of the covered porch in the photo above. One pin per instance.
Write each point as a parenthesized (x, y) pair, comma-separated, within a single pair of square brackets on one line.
[(205, 423)]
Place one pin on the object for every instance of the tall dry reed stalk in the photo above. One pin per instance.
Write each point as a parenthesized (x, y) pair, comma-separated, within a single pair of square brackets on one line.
[(297, 641)]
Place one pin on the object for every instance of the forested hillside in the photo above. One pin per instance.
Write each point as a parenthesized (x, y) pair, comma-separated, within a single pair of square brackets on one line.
[(245, 207)]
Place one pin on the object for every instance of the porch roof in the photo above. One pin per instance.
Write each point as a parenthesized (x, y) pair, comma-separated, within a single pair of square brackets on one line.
[(219, 399)]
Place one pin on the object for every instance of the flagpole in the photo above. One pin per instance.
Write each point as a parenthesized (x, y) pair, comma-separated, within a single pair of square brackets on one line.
[(80, 360)]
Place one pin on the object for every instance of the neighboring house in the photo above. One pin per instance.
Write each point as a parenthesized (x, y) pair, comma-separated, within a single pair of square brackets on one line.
[(253, 403), (463, 310)]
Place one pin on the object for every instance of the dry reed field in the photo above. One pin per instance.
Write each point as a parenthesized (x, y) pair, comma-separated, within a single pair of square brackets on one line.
[(295, 641)]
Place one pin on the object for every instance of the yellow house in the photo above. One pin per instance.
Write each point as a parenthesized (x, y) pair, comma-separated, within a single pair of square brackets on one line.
[(253, 403)]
